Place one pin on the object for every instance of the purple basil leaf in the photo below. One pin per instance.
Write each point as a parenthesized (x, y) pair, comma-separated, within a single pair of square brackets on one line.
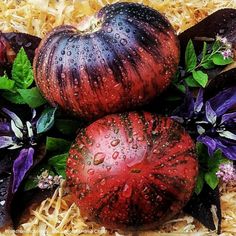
[(27, 41), (209, 142), (210, 114), (228, 116), (228, 151), (223, 101), (199, 101), (5, 141), (5, 128), (21, 165), (14, 117)]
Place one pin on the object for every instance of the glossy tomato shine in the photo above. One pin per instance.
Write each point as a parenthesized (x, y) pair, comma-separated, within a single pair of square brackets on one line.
[(132, 170), (115, 61)]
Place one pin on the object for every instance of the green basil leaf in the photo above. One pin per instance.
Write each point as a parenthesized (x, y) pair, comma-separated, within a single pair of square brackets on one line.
[(13, 97), (57, 145), (32, 180), (216, 46), (199, 183), (67, 127), (191, 82), (219, 60), (59, 164), (181, 87), (211, 178), (6, 83), (46, 120), (22, 72), (190, 57), (204, 51), (208, 64), (32, 97), (200, 77)]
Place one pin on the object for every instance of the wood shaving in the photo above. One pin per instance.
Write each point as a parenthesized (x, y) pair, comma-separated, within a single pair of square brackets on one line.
[(37, 17)]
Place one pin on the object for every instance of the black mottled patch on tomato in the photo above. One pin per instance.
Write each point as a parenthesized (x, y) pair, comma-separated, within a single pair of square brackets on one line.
[(124, 117), (106, 200), (139, 12), (134, 213), (176, 182)]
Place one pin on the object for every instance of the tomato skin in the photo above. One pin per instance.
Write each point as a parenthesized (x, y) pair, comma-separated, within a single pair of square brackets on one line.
[(126, 62), (132, 171)]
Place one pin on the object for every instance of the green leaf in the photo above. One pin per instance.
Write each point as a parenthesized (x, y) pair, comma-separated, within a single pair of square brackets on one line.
[(32, 97), (181, 87), (219, 60), (22, 72), (200, 77), (216, 46), (190, 57), (208, 64), (13, 97), (57, 145), (211, 178), (191, 82), (200, 183), (204, 51), (46, 120), (67, 127), (59, 164), (6, 83), (32, 180)]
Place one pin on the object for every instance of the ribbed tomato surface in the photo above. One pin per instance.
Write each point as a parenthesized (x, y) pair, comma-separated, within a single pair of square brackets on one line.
[(127, 55), (132, 170)]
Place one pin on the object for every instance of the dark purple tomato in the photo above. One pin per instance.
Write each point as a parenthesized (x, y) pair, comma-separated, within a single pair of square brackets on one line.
[(132, 170), (117, 60)]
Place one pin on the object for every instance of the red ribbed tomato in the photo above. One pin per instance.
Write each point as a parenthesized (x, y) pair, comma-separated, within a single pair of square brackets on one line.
[(120, 59), (132, 170)]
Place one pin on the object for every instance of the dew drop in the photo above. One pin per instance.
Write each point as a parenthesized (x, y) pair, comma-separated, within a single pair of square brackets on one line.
[(108, 168), (63, 52), (63, 75), (90, 171), (159, 198), (123, 42), (127, 191), (103, 181), (115, 142), (68, 53), (109, 30), (117, 36), (99, 158), (115, 155)]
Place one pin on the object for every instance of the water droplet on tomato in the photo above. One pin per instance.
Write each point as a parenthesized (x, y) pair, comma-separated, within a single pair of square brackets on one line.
[(130, 140), (63, 52), (108, 168), (90, 171), (117, 36), (99, 158), (115, 142), (63, 75), (123, 42), (103, 181), (109, 30), (140, 138), (135, 146), (127, 191), (115, 155), (68, 53), (159, 198)]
